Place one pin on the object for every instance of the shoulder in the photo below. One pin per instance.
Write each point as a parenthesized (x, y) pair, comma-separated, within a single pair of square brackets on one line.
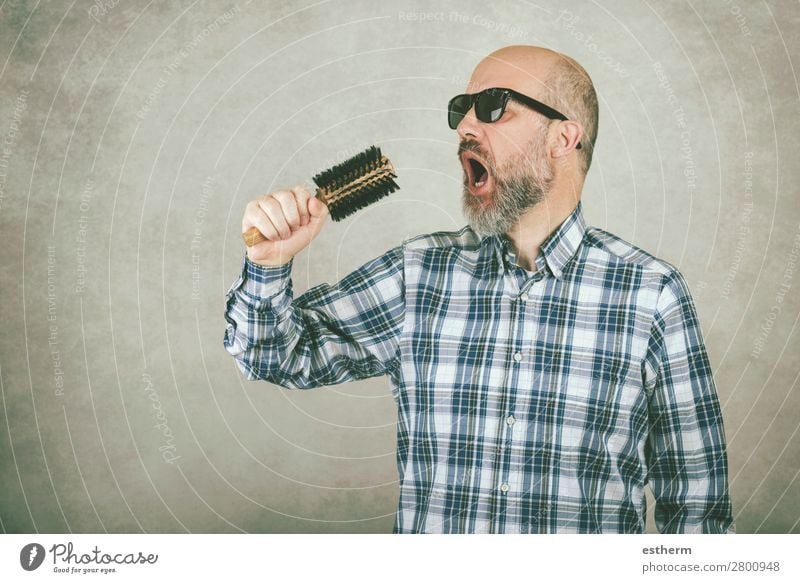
[(664, 280), (612, 249)]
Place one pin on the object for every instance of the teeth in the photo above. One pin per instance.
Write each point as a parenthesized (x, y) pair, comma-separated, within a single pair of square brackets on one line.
[(480, 183)]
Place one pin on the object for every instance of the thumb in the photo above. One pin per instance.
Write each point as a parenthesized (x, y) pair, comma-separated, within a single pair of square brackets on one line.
[(317, 209)]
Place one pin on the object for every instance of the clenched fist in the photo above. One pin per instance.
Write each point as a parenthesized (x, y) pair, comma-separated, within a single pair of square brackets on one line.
[(289, 219)]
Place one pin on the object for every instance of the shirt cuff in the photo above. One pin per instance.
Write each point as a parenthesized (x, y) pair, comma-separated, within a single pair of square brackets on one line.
[(261, 282)]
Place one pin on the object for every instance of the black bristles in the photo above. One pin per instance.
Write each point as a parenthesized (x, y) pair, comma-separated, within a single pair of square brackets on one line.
[(340, 182), (350, 169), (362, 197)]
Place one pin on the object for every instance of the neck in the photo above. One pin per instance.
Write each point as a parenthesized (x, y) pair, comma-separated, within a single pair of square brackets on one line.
[(539, 222)]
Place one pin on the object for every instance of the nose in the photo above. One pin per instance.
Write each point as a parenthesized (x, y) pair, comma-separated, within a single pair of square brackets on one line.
[(470, 126)]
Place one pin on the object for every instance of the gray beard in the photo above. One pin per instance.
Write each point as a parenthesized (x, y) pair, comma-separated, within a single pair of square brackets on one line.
[(517, 189)]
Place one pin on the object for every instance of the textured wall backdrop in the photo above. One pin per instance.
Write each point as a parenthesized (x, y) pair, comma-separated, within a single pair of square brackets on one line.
[(132, 134)]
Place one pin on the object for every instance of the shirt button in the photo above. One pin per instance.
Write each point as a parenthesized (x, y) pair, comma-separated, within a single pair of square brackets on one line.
[(517, 356), (504, 488), (510, 420), (524, 296)]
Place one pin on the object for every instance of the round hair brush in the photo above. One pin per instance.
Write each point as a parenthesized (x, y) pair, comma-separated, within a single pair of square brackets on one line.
[(349, 186)]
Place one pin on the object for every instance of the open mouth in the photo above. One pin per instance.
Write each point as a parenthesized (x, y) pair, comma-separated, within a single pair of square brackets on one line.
[(479, 179)]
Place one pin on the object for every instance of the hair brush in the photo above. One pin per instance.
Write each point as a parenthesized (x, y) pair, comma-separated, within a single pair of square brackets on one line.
[(347, 187)]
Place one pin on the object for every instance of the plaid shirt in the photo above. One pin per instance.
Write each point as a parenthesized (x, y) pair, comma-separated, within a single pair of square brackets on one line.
[(527, 402)]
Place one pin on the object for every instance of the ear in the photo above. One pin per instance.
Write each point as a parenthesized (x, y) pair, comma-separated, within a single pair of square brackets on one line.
[(569, 135)]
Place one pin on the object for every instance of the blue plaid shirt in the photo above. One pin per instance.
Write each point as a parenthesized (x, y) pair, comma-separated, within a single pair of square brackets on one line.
[(528, 402)]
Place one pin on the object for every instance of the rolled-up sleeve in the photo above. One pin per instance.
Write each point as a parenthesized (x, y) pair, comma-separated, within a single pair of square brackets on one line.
[(685, 450), (329, 335)]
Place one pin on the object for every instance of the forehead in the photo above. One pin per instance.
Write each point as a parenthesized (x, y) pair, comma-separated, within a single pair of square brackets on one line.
[(525, 75)]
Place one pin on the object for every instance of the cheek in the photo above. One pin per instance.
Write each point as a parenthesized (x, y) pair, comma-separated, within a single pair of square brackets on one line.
[(509, 147)]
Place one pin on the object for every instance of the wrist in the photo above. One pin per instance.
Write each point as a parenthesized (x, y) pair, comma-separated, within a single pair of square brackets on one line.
[(267, 263)]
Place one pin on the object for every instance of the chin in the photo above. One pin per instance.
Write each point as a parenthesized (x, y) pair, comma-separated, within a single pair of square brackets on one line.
[(483, 219)]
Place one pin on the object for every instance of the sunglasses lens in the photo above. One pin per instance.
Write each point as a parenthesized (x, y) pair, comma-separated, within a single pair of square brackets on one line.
[(489, 106), (457, 109)]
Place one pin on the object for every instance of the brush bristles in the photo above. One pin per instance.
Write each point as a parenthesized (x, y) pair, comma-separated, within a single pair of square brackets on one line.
[(356, 183)]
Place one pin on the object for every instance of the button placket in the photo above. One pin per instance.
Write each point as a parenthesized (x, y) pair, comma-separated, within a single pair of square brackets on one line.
[(505, 475)]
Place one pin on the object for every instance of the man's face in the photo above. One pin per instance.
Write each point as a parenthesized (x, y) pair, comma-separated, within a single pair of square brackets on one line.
[(506, 167), (496, 196)]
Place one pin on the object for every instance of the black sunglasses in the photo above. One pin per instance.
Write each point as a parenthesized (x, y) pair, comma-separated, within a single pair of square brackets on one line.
[(490, 104)]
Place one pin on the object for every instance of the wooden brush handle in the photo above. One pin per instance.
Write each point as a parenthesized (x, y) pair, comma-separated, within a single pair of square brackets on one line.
[(253, 236)]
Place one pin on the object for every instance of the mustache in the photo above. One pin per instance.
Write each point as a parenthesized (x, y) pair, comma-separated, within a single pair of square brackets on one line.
[(475, 148)]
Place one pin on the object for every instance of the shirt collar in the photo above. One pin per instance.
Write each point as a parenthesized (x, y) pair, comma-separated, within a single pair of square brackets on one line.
[(556, 251)]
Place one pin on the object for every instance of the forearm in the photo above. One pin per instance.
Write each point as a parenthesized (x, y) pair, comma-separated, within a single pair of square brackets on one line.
[(261, 335), (329, 335), (691, 492), (686, 450)]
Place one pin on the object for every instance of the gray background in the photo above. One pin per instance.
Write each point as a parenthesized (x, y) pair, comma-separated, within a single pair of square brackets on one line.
[(132, 134)]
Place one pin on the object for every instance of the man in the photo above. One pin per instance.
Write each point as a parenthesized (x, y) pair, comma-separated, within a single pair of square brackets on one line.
[(544, 372)]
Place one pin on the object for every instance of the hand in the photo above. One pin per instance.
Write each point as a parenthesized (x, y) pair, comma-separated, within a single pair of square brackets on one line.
[(289, 219)]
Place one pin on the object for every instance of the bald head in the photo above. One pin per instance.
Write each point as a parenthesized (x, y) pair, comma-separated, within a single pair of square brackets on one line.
[(526, 68), (551, 77)]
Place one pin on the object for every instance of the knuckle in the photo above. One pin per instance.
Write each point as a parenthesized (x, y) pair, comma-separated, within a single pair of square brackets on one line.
[(301, 192), (269, 204), (282, 195)]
